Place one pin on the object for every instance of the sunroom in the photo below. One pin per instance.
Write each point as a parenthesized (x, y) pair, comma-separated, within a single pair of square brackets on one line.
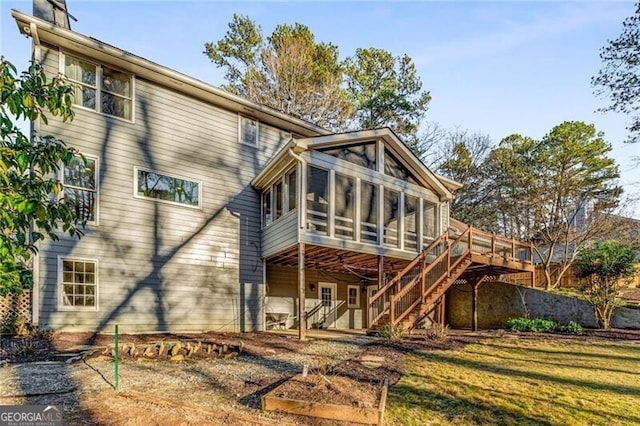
[(339, 214)]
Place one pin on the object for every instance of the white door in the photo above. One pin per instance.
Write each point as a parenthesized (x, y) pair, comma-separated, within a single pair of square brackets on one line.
[(328, 311)]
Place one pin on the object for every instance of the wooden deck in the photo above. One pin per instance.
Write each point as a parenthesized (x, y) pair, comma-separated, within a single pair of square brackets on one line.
[(473, 256)]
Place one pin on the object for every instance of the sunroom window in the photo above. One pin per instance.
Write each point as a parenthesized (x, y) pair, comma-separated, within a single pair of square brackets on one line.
[(391, 217), (410, 222), (369, 212), (361, 154), (266, 208), (317, 197), (279, 194), (392, 167), (345, 206), (100, 88), (291, 187), (429, 222)]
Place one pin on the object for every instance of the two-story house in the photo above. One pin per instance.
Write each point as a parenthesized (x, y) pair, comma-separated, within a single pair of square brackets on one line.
[(208, 212)]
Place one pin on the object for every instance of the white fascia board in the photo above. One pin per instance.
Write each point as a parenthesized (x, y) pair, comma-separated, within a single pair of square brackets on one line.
[(105, 53)]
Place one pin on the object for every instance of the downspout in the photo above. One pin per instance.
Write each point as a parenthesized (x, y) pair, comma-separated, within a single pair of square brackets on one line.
[(300, 208), (35, 127), (302, 314)]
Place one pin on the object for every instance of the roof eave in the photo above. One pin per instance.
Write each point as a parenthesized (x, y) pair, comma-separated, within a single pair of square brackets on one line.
[(397, 146), (277, 165), (151, 71)]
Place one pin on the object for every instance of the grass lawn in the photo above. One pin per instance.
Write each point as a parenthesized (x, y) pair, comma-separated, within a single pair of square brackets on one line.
[(512, 381)]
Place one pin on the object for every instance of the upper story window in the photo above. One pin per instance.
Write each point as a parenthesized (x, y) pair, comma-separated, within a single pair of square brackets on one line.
[(248, 130), (361, 154), (100, 88), (79, 179), (167, 188)]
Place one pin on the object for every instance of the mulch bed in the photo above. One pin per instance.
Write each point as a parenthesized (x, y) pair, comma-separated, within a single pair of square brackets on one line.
[(330, 389)]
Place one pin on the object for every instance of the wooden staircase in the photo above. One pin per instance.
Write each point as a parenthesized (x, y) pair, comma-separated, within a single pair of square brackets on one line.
[(408, 298)]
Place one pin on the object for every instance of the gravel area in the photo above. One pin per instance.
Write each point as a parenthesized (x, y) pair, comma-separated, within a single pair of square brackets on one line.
[(230, 387)]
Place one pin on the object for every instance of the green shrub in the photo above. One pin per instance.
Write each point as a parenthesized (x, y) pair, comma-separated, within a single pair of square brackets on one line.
[(536, 325), (391, 332), (572, 328), (539, 325)]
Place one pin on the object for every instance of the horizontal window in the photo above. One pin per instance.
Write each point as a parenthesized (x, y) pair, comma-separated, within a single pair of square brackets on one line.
[(100, 88), (78, 281), (171, 189)]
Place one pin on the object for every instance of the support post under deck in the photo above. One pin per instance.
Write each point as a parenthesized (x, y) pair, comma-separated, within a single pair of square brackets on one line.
[(302, 314), (474, 304)]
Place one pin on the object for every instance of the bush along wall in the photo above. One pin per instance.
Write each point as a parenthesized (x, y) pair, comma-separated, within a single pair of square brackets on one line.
[(540, 325)]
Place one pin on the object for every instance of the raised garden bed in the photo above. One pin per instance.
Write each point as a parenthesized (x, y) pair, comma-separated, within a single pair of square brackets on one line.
[(329, 397)]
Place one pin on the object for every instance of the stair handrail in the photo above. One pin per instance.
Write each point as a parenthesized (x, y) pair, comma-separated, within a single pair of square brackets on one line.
[(419, 280), (394, 319), (475, 237), (420, 257)]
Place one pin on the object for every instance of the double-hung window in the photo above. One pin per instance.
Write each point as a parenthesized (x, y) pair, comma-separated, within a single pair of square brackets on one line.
[(248, 130), (78, 279), (79, 178), (100, 88)]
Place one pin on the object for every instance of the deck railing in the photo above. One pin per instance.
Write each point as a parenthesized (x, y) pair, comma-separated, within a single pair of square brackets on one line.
[(410, 288)]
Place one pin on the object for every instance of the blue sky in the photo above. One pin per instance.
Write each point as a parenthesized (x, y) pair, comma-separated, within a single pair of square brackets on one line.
[(493, 67)]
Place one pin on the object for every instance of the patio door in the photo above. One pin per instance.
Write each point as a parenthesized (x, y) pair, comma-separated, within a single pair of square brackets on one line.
[(328, 298)]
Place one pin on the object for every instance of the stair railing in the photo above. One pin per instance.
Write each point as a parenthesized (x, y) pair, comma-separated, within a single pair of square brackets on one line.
[(379, 303), (406, 300), (412, 286)]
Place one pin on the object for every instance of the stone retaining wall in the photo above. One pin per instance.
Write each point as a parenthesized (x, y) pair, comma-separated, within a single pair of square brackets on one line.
[(499, 301)]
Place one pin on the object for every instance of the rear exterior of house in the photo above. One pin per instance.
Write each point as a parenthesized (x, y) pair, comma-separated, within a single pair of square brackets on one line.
[(208, 212), (173, 238)]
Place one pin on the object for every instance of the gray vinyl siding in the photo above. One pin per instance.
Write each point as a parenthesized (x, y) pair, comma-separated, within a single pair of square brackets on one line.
[(283, 296), (280, 234), (444, 216), (165, 267)]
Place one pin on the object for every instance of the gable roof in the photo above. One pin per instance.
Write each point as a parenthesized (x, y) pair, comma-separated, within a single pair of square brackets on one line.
[(285, 158), (43, 31)]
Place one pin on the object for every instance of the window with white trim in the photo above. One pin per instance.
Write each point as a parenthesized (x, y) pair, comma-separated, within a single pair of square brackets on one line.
[(79, 178), (100, 88), (78, 280), (167, 188), (248, 130), (353, 296)]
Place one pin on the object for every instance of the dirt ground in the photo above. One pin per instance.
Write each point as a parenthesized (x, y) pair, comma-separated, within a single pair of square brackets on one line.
[(215, 390)]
